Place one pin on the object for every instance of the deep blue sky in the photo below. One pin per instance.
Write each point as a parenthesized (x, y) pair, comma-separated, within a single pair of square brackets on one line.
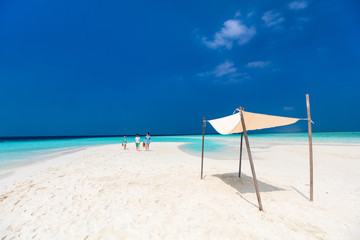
[(122, 67)]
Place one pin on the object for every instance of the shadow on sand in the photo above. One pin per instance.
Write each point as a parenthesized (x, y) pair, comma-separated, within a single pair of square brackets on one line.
[(245, 184)]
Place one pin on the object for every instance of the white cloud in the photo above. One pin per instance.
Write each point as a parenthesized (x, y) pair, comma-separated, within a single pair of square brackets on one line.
[(296, 5), (220, 70), (225, 73), (233, 30), (224, 69), (258, 64), (288, 108), (272, 18)]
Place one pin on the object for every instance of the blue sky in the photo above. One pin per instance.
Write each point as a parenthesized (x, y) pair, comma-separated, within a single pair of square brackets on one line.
[(122, 67)]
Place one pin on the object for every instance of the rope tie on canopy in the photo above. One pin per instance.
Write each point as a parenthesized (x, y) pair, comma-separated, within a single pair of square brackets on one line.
[(236, 110), (306, 119)]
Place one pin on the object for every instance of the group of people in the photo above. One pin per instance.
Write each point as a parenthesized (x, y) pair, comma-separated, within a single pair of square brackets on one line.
[(146, 142)]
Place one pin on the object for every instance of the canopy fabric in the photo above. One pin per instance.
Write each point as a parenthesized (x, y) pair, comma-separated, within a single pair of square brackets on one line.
[(253, 121)]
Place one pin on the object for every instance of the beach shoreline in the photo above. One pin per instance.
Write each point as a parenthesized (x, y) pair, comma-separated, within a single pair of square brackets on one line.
[(104, 192), (24, 170)]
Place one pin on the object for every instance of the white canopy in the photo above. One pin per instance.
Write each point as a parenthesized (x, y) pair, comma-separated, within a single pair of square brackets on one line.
[(232, 124)]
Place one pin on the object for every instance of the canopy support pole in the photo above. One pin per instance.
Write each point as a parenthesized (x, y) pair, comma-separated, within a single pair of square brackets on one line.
[(251, 160), (310, 149), (202, 152), (241, 140)]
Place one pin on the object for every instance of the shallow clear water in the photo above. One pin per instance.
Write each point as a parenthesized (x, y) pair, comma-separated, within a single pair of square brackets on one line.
[(228, 146), (21, 151), (17, 152)]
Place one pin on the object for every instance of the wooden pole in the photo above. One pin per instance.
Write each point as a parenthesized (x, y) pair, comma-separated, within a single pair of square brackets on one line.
[(202, 152), (310, 149), (251, 161), (241, 140)]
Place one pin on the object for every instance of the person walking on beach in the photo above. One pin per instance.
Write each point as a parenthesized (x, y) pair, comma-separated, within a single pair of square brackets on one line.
[(147, 141), (137, 142), (124, 142)]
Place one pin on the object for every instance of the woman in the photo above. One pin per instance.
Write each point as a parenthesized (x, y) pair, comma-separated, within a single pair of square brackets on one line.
[(147, 141)]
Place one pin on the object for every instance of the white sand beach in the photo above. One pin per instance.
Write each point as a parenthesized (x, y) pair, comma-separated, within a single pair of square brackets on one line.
[(104, 192)]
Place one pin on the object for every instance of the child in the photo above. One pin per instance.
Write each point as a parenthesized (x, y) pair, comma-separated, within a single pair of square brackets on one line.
[(137, 142), (124, 142)]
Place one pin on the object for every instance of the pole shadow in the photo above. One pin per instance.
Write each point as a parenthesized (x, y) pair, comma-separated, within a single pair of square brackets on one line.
[(300, 193)]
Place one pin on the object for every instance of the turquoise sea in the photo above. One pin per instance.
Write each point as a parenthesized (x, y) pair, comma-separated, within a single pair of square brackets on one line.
[(17, 151)]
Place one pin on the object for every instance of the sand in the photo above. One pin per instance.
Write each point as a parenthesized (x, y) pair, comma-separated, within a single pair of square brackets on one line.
[(104, 192)]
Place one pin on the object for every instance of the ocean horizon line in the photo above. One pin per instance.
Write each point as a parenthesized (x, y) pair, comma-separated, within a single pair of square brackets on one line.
[(155, 135)]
